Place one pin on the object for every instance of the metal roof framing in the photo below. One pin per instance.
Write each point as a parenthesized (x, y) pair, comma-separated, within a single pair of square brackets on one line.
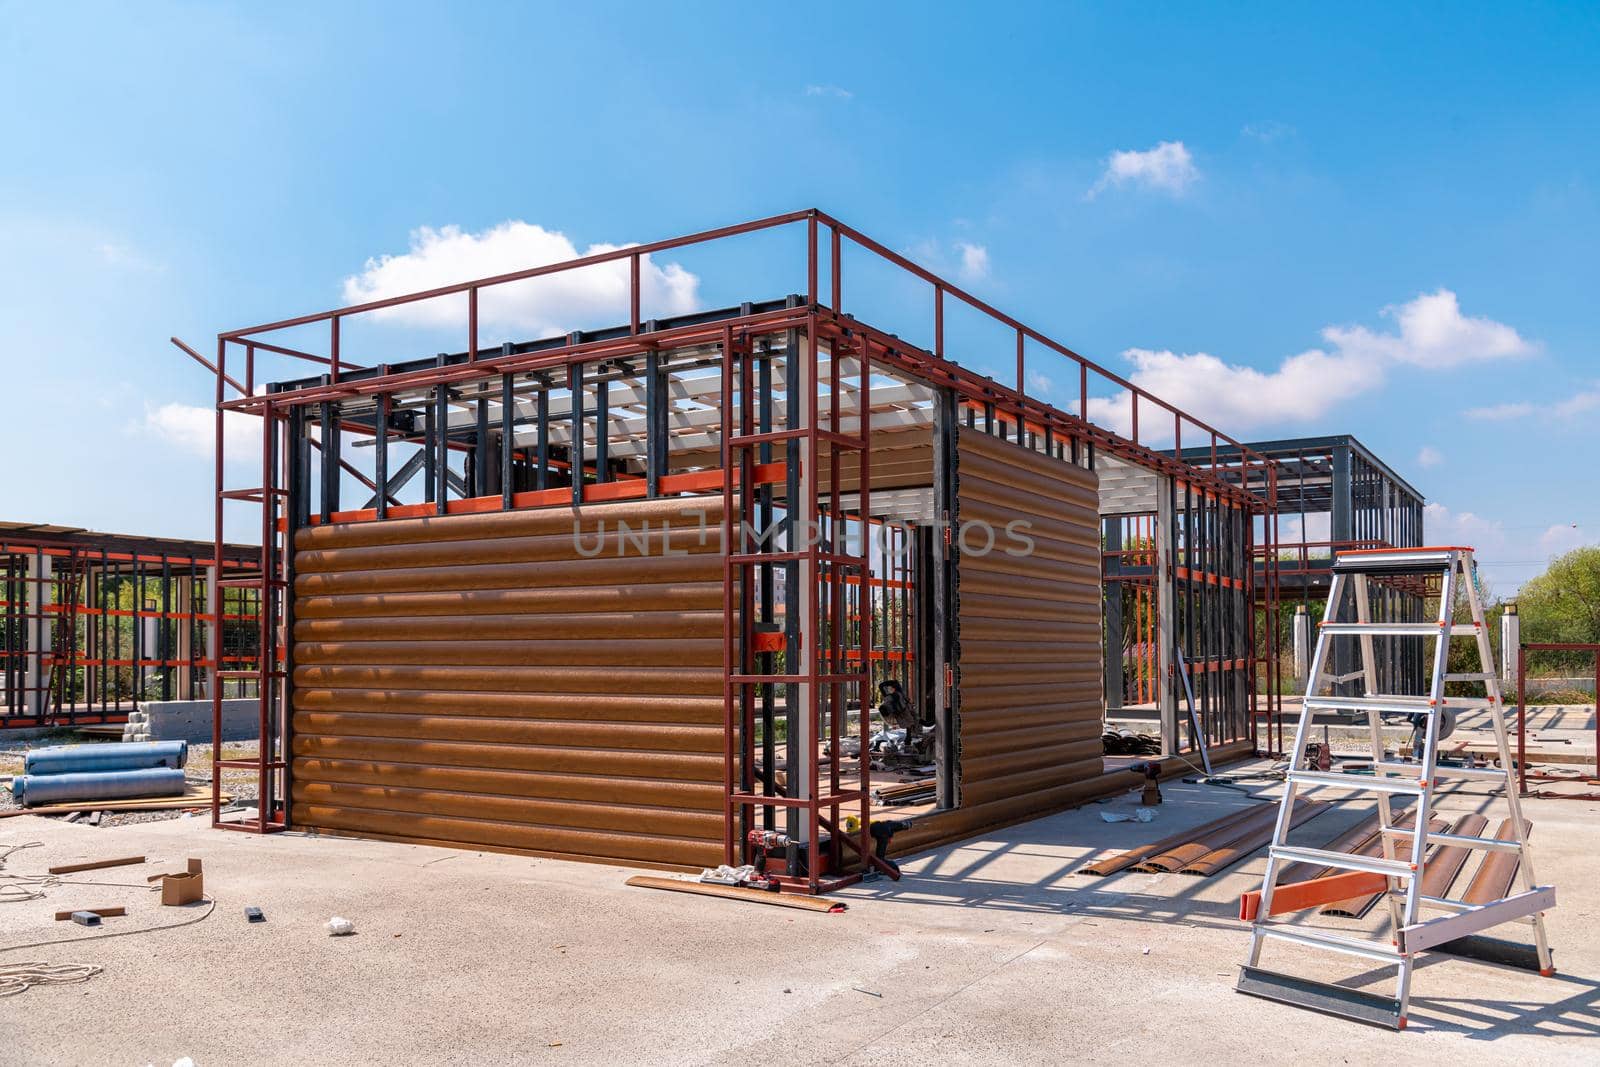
[(1224, 465)]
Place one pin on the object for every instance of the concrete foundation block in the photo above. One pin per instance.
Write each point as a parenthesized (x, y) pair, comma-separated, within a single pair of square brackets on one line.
[(190, 720)]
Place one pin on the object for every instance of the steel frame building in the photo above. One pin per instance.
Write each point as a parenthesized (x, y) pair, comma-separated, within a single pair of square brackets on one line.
[(1336, 480), (793, 412), (92, 624)]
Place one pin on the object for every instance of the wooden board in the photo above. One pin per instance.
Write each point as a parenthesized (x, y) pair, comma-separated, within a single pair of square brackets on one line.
[(96, 865), (736, 892), (192, 799)]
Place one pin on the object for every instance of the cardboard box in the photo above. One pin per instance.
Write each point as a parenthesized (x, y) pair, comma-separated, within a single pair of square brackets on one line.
[(182, 888)]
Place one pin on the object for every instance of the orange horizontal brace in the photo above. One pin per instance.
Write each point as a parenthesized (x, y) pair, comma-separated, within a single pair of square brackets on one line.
[(1298, 896), (1207, 578), (93, 555), (602, 492)]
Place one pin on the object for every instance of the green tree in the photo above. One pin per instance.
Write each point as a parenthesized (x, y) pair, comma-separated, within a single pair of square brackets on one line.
[(1562, 605)]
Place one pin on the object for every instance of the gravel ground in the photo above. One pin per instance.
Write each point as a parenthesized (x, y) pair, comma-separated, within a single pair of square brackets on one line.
[(240, 783)]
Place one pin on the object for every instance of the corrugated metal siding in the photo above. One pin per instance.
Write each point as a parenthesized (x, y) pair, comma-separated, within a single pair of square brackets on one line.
[(1030, 708), (475, 680), (1029, 705)]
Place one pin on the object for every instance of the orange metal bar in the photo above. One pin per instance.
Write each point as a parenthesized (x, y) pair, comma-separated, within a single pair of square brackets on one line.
[(1298, 896)]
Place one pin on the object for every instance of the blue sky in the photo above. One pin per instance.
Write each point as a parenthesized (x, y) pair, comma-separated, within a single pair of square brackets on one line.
[(1198, 197)]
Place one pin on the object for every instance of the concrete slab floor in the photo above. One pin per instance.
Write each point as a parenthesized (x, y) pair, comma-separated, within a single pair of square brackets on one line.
[(987, 952)]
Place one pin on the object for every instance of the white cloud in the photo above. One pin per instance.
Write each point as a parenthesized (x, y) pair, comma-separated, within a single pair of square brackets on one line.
[(1233, 397), (974, 261), (1433, 333), (1509, 556), (193, 429), (1576, 404), (834, 91), (1303, 387), (1501, 412), (965, 261), (1562, 538), (1167, 168), (1429, 457), (536, 307), (1442, 526), (1040, 384)]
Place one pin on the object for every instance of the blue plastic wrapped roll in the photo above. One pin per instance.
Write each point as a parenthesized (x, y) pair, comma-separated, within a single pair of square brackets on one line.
[(126, 756), (32, 789)]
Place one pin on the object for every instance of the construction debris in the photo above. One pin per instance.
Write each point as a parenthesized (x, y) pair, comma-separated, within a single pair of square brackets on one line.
[(104, 913), (782, 900), (184, 888), (194, 798)]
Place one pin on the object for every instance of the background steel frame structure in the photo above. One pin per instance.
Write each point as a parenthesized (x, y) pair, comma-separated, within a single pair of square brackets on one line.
[(1367, 505), (818, 577), (72, 655)]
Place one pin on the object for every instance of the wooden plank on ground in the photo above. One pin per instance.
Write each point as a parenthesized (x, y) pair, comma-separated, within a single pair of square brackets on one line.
[(199, 799), (95, 865), (734, 892), (104, 913)]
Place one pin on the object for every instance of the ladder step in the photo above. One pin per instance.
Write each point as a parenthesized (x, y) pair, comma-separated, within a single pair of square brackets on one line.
[(1490, 844), (1364, 782), (1302, 935), (1481, 676), (1447, 770), (1447, 904), (1353, 1004), (1425, 935), (1343, 860), (1389, 703), (1420, 562), (1398, 629)]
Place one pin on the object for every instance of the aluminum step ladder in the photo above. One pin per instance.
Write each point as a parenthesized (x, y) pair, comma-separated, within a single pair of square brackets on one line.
[(1398, 872)]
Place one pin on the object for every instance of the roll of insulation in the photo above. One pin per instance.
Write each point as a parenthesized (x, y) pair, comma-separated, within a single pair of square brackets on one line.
[(123, 756), (34, 789)]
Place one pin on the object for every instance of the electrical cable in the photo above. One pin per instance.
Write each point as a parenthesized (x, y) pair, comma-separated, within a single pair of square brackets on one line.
[(20, 977), (188, 920)]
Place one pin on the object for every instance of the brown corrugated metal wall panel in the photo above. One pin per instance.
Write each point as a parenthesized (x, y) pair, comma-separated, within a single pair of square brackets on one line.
[(1030, 708), (517, 680), (493, 524), (593, 706), (603, 599), (593, 678), (560, 841), (697, 796)]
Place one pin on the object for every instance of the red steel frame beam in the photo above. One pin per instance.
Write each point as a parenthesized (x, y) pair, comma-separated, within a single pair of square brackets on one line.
[(74, 604)]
